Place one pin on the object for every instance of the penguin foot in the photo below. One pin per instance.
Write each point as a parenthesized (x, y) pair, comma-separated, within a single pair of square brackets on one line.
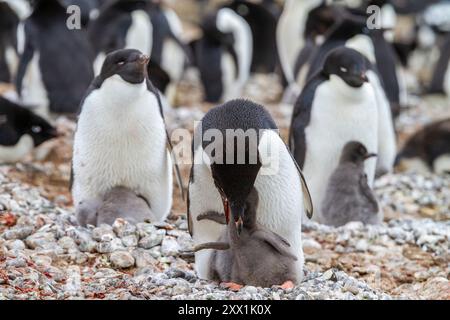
[(287, 285), (231, 286)]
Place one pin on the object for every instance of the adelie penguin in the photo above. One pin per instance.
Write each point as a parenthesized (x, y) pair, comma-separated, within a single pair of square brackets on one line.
[(121, 139), (55, 67), (223, 55), (336, 106), (141, 25), (348, 196), (21, 131), (266, 166), (253, 256), (350, 33), (427, 150)]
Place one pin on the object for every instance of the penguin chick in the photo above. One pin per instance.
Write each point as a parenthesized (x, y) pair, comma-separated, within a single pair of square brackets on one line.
[(119, 202), (348, 196), (255, 256)]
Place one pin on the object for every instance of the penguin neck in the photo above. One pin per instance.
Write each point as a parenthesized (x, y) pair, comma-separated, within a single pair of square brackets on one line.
[(340, 87), (121, 94)]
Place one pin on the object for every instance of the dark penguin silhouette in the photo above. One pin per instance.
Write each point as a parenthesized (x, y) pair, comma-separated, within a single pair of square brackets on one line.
[(348, 196), (143, 25), (225, 172), (9, 22), (262, 19), (441, 70), (253, 256), (223, 54), (56, 65), (428, 149), (20, 131), (117, 203)]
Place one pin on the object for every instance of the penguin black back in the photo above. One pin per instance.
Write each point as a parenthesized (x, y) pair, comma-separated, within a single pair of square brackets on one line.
[(65, 56)]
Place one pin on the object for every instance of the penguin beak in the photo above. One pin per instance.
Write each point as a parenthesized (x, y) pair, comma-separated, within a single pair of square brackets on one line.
[(226, 209), (370, 155), (143, 59), (364, 77)]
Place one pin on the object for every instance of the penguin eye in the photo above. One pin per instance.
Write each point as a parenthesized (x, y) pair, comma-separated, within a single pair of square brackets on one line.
[(121, 63), (36, 129), (343, 69)]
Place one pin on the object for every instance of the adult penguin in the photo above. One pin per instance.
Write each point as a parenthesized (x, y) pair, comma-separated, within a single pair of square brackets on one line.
[(338, 105), (55, 67), (141, 25), (9, 22), (224, 173), (263, 23), (223, 54), (121, 139)]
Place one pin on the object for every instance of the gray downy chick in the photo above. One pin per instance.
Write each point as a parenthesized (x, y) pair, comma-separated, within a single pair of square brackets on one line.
[(117, 203), (348, 196), (250, 256)]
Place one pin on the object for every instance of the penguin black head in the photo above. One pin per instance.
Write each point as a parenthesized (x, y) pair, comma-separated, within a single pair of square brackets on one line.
[(350, 65), (129, 64), (234, 173), (355, 152), (23, 121)]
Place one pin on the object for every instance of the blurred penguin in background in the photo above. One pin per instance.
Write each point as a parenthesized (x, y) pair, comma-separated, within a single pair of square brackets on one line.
[(262, 19), (223, 54), (55, 66), (427, 150), (12, 12), (143, 25)]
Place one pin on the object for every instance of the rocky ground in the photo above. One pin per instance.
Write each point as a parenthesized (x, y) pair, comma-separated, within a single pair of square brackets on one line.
[(45, 255)]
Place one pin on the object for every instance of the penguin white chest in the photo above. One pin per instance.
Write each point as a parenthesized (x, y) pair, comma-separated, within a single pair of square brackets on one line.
[(121, 141), (339, 114)]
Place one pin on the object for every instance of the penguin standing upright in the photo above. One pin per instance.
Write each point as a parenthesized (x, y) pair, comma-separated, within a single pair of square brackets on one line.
[(350, 32), (20, 131), (141, 25), (121, 139), (223, 55), (220, 182), (55, 67), (336, 106), (348, 196), (9, 21), (263, 22)]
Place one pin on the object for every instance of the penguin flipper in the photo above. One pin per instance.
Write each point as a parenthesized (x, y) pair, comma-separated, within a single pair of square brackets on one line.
[(177, 168), (274, 241), (307, 200), (212, 245)]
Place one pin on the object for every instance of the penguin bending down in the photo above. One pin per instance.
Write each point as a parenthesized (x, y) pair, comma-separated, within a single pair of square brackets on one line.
[(223, 55), (117, 203), (255, 256), (427, 150), (121, 139), (348, 196), (337, 105), (20, 131), (55, 67), (224, 188)]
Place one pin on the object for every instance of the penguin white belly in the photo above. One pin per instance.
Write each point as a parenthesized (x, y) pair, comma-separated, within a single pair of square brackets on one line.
[(339, 114), (33, 88), (173, 59), (139, 35), (12, 60), (387, 146), (17, 152), (121, 141), (203, 197), (280, 206), (441, 165)]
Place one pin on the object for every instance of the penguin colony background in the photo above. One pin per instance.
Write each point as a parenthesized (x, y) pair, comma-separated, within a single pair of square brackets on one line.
[(116, 68)]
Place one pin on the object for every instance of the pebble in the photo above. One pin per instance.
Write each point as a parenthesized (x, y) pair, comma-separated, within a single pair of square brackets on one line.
[(170, 247), (122, 259), (150, 241)]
